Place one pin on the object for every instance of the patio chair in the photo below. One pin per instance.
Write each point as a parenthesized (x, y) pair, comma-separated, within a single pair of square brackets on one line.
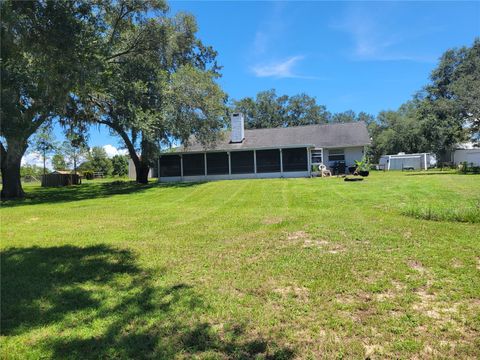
[(324, 171)]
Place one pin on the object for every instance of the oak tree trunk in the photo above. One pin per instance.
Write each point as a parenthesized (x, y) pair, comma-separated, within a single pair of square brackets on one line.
[(142, 171), (11, 159)]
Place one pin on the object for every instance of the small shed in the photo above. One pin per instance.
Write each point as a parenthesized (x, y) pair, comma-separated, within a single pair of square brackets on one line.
[(61, 178)]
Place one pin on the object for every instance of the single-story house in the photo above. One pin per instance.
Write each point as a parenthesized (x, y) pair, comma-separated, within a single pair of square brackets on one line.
[(400, 161), (266, 153)]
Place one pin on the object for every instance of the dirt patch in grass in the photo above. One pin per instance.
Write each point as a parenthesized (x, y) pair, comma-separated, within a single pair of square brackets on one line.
[(426, 304), (315, 243), (416, 265), (297, 235), (335, 249), (273, 220), (456, 264), (298, 292), (324, 245), (396, 290), (371, 350)]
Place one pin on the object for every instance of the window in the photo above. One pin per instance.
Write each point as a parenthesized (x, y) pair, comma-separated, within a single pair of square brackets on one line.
[(193, 164), (268, 161), (295, 159), (336, 155), (317, 156), (217, 163), (242, 162), (170, 165)]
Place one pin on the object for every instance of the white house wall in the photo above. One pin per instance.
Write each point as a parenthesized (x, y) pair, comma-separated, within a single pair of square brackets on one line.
[(468, 155), (351, 154)]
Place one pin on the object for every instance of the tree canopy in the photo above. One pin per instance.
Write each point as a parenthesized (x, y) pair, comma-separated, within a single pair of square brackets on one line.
[(270, 110), (156, 84), (47, 50), (104, 62), (119, 165), (97, 161)]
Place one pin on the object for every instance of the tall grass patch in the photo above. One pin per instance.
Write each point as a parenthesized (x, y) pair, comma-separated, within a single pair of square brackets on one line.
[(469, 213)]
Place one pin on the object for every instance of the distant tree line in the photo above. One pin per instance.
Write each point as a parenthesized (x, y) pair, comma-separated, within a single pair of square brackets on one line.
[(268, 110)]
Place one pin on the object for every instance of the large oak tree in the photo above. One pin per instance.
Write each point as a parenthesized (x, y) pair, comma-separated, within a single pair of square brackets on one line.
[(157, 82), (124, 64), (47, 49)]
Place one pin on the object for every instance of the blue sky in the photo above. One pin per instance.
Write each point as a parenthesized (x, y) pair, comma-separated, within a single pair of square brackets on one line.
[(364, 56)]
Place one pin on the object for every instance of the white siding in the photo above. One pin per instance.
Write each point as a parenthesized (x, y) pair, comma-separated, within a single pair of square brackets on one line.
[(468, 155), (351, 154)]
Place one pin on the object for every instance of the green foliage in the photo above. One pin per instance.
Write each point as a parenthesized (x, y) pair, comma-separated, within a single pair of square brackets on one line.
[(47, 52), (88, 174), (466, 168), (157, 81), (362, 165), (44, 142), (351, 116), (120, 165), (58, 162), (397, 131), (98, 161), (269, 110), (31, 170), (442, 213), (453, 95), (75, 149)]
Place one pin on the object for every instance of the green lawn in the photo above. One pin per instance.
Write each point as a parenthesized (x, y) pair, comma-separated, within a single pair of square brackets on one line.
[(276, 269)]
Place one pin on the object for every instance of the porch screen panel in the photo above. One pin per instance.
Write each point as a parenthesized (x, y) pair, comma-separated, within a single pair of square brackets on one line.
[(170, 166), (217, 163), (268, 161), (295, 159), (242, 162), (193, 164)]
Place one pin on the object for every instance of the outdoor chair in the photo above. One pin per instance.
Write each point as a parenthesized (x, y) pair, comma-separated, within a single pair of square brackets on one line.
[(324, 171)]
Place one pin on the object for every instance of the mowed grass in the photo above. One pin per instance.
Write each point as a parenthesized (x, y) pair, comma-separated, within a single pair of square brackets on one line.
[(275, 269)]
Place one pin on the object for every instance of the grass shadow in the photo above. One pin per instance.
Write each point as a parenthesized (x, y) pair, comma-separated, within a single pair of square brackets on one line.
[(88, 190), (96, 302)]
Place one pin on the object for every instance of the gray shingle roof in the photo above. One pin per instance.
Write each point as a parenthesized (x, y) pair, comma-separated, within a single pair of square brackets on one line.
[(320, 136)]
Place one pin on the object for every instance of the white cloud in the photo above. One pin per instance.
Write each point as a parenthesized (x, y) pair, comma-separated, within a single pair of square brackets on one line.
[(112, 150), (280, 69), (35, 158)]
